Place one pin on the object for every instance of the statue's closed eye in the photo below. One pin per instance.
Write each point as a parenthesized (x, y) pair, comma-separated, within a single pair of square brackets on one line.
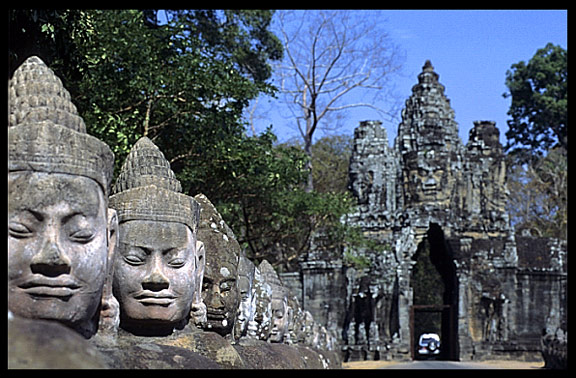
[(19, 230)]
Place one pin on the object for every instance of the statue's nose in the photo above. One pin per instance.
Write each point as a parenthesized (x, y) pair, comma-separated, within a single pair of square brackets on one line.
[(50, 260), (155, 280)]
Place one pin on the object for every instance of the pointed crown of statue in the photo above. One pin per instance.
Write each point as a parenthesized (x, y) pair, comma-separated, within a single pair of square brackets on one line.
[(214, 232), (147, 189), (45, 132), (270, 276)]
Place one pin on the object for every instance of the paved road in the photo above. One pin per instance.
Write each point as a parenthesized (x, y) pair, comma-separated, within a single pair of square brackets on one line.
[(428, 365)]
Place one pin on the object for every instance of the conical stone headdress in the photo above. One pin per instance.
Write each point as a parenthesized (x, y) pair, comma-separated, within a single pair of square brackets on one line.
[(147, 189), (271, 278), (45, 132)]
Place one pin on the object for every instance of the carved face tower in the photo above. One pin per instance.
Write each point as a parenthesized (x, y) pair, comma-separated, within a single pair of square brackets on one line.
[(158, 269), (59, 227), (428, 143)]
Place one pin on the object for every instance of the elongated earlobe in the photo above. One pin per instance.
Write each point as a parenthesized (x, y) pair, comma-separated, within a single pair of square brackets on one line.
[(198, 308), (110, 309)]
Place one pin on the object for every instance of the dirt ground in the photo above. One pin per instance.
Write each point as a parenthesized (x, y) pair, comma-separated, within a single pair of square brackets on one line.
[(491, 364)]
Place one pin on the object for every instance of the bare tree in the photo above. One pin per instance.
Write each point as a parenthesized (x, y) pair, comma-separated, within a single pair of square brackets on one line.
[(538, 194), (332, 60)]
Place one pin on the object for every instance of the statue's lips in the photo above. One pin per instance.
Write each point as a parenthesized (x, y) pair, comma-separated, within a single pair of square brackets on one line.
[(215, 315), (60, 287), (275, 330), (152, 298)]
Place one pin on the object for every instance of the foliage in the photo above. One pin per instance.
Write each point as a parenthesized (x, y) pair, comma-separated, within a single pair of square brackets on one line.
[(358, 261), (53, 35), (240, 36), (174, 82), (330, 157), (256, 187), (356, 245), (537, 143), (539, 92), (331, 201), (427, 282), (183, 78)]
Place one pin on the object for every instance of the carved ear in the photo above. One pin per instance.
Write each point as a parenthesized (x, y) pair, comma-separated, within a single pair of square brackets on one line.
[(112, 238), (110, 308), (198, 308), (200, 265)]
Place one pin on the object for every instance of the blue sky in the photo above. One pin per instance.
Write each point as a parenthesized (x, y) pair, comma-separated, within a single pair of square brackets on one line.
[(471, 50)]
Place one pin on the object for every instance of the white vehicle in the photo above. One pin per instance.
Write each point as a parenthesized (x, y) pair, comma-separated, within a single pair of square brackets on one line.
[(429, 344)]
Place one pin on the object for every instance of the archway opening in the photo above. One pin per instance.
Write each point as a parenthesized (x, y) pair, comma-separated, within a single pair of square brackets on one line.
[(435, 297)]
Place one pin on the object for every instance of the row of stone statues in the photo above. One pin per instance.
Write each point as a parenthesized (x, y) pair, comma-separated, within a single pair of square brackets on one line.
[(151, 276)]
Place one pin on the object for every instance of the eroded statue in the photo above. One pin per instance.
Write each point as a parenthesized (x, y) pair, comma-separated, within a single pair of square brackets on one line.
[(281, 312), (60, 231), (220, 284), (258, 327), (247, 293)]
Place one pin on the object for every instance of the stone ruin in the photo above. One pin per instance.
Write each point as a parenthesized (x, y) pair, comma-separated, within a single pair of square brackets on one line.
[(148, 278), (97, 282), (431, 201)]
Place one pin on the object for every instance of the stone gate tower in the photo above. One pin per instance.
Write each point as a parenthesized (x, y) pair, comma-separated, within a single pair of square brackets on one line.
[(430, 199)]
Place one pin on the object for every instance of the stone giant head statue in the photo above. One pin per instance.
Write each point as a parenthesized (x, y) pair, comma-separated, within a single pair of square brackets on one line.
[(220, 284), (259, 324), (247, 293), (60, 230), (281, 316), (159, 265)]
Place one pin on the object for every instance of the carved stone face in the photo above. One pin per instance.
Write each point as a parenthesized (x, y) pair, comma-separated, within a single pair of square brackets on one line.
[(259, 325), (427, 180), (308, 328), (220, 294), (247, 297), (154, 273), (426, 184), (57, 246), (360, 186), (281, 317)]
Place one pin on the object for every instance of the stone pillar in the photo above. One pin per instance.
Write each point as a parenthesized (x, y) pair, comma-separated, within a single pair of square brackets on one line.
[(465, 344), (404, 305), (324, 293)]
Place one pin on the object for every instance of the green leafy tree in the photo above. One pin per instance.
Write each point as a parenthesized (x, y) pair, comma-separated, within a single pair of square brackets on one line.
[(331, 158), (537, 143), (539, 93), (183, 78), (262, 202), (183, 82), (53, 35), (330, 202)]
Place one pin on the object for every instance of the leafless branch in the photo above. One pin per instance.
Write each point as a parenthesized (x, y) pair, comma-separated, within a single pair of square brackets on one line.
[(328, 56)]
